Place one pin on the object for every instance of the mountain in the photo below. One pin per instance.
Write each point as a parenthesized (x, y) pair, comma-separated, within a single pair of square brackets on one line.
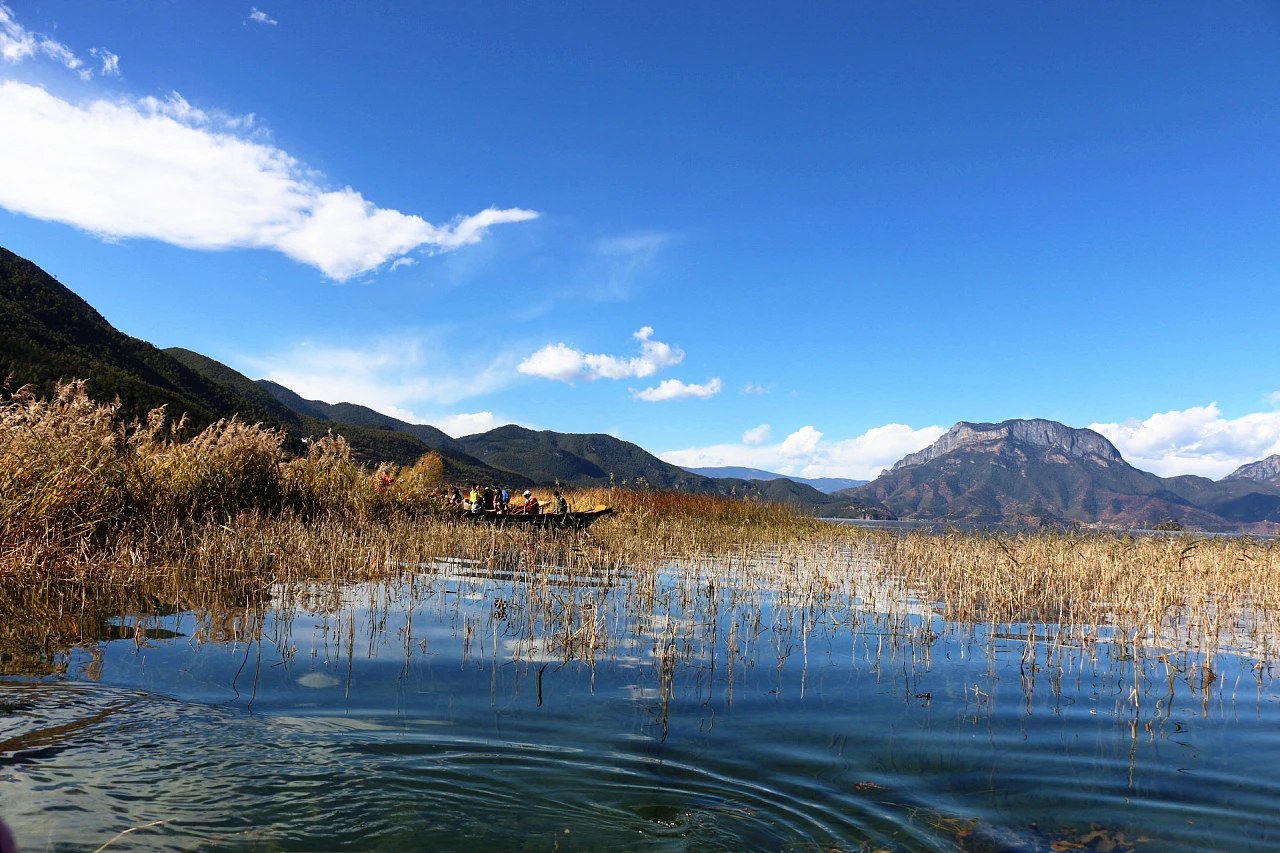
[(50, 335), (1042, 472), (807, 498), (573, 459), (1263, 471), (1081, 444), (370, 441), (582, 460), (536, 457), (1023, 470), (826, 485), (362, 416), (541, 456), (235, 381)]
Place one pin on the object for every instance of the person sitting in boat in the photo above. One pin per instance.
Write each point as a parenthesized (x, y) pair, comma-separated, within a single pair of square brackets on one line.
[(455, 499), (504, 500), (476, 498), (530, 504), (486, 499), (562, 506)]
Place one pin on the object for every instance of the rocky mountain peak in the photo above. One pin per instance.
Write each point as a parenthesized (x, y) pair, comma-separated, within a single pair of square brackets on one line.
[(1263, 471), (1072, 443)]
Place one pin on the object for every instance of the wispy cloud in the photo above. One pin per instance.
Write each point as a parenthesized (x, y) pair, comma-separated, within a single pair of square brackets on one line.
[(619, 263), (394, 375), (1198, 440), (260, 17), (567, 364), (753, 388), (168, 171), (110, 62), (674, 389), (808, 453), (17, 43)]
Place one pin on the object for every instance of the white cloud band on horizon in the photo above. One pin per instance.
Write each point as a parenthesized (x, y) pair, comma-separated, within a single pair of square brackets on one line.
[(674, 389), (807, 453), (567, 364), (1198, 440), (156, 169)]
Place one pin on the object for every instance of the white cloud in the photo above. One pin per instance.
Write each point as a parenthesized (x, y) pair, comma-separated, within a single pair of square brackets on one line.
[(402, 262), (1274, 398), (756, 435), (674, 389), (260, 17), (802, 442), (555, 361), (455, 425), (18, 43), (752, 388), (394, 375), (161, 170), (1198, 440), (566, 364), (807, 453), (460, 425), (110, 62)]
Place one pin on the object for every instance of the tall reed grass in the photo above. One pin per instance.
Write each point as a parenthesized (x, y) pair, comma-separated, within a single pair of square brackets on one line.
[(80, 486), (73, 475), (97, 515)]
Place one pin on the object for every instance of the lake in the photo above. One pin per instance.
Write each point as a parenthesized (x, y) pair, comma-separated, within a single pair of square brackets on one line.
[(765, 702)]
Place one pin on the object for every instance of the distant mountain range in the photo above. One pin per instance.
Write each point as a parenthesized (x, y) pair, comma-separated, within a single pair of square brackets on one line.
[(1043, 473), (52, 335), (826, 485), (1263, 471), (1022, 471)]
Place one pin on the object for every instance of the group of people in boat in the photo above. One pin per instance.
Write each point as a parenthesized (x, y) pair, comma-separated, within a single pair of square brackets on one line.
[(498, 501)]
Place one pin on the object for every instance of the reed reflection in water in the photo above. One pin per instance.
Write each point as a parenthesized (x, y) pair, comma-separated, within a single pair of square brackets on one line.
[(793, 699)]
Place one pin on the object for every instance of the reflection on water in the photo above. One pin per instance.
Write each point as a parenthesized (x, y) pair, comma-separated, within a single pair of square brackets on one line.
[(713, 705)]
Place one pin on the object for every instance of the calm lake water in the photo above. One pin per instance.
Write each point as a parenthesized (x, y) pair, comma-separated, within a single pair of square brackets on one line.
[(464, 708)]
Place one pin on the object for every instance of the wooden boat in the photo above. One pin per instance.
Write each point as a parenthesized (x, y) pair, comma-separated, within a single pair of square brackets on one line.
[(546, 520)]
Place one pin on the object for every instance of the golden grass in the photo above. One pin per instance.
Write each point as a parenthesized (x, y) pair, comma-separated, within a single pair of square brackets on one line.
[(74, 476), (98, 519)]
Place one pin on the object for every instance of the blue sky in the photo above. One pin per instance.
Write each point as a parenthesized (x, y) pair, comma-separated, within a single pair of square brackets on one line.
[(853, 223)]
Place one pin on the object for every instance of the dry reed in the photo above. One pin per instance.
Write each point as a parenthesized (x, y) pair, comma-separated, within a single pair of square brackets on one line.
[(99, 518)]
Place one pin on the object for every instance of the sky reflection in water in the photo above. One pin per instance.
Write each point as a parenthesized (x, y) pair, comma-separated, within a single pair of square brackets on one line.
[(468, 709)]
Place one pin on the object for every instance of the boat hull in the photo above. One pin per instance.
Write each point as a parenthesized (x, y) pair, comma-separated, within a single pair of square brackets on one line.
[(542, 521)]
